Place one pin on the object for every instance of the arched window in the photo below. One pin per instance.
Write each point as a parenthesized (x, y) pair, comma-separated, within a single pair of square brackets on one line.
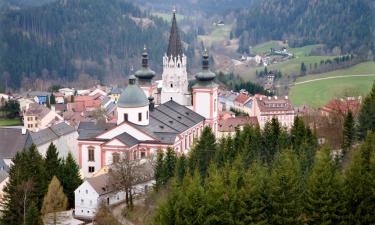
[(171, 85)]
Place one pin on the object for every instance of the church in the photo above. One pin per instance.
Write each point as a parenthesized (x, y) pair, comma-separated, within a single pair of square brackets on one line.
[(143, 126)]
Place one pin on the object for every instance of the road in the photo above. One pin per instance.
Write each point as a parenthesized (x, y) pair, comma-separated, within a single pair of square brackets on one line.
[(328, 78)]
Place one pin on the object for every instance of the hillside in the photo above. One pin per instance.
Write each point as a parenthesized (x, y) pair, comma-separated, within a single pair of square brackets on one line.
[(345, 26), (63, 39)]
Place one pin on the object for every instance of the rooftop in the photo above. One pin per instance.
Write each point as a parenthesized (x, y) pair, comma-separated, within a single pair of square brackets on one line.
[(51, 133), (8, 149), (230, 124)]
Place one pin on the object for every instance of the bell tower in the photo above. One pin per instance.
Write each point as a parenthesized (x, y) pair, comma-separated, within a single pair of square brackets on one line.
[(205, 94), (174, 77)]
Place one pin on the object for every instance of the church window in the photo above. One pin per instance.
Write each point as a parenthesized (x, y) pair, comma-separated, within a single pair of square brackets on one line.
[(171, 85), (115, 157), (91, 169), (91, 152), (139, 117), (147, 115), (126, 117)]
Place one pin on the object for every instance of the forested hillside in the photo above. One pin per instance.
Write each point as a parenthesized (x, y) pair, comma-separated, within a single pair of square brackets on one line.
[(346, 25), (65, 38)]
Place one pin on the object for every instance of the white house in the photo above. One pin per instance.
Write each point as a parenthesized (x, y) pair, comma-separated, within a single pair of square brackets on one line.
[(95, 191), (67, 91)]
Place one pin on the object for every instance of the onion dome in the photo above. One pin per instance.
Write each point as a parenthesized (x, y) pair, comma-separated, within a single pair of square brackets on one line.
[(145, 73), (206, 74), (132, 96)]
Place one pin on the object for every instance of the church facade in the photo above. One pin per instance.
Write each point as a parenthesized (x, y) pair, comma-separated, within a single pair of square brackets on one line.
[(143, 127)]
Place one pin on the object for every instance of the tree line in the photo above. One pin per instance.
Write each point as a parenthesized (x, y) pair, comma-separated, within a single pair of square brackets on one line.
[(272, 176), (34, 187), (342, 26)]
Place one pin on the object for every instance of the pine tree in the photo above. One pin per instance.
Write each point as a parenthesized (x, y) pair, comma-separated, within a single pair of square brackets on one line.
[(285, 189), (53, 163), (271, 134), (33, 215), (203, 152), (324, 200), (358, 181), (367, 114), (159, 169), (181, 168), (169, 164), (52, 100), (55, 200), (348, 132), (26, 184), (254, 196), (71, 178)]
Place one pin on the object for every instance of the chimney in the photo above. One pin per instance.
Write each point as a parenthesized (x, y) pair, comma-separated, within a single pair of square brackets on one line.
[(151, 103), (23, 131)]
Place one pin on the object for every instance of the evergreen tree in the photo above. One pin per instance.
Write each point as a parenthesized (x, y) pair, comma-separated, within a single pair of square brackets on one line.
[(159, 169), (348, 132), (70, 178), (359, 195), (55, 200), (203, 152), (271, 134), (52, 99), (367, 114), (254, 196), (53, 163), (27, 183), (33, 215), (48, 104), (324, 200), (169, 164), (181, 168), (285, 189)]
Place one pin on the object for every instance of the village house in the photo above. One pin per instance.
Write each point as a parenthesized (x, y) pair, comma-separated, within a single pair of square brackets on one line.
[(280, 108), (226, 100), (59, 98), (115, 94), (67, 92), (342, 106), (240, 101), (228, 126), (63, 136), (38, 117), (39, 97), (97, 190), (21, 139)]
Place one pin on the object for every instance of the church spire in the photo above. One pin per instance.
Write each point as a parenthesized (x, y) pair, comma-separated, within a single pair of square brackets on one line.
[(174, 45)]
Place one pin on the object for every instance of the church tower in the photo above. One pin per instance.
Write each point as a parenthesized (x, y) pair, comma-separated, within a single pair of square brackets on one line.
[(145, 75), (174, 77), (205, 94)]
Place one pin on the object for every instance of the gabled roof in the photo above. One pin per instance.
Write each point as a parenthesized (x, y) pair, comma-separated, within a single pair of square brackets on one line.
[(37, 110), (127, 139), (230, 124), (19, 142), (99, 183), (89, 130), (51, 133), (242, 98), (174, 45)]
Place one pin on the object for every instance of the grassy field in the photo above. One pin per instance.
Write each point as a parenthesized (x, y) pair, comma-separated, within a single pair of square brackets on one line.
[(265, 47), (219, 34), (362, 68), (318, 93), (10, 122)]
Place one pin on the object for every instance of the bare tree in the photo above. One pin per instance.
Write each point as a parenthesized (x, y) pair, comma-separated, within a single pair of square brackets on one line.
[(24, 190), (126, 172)]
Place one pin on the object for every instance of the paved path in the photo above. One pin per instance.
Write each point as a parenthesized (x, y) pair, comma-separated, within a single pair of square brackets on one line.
[(327, 78)]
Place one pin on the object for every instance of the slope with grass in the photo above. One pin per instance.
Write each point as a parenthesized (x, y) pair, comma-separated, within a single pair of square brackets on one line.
[(320, 88), (10, 122)]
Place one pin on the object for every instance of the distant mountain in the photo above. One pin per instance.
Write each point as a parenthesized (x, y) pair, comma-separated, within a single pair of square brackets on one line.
[(24, 2), (346, 25), (62, 39)]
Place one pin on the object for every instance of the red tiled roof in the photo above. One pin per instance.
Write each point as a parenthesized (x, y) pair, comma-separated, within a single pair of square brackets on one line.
[(342, 106), (242, 98), (272, 104), (230, 124)]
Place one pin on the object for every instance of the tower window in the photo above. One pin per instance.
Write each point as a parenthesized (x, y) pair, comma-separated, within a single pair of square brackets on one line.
[(139, 117), (91, 154), (171, 85), (91, 169), (126, 117)]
